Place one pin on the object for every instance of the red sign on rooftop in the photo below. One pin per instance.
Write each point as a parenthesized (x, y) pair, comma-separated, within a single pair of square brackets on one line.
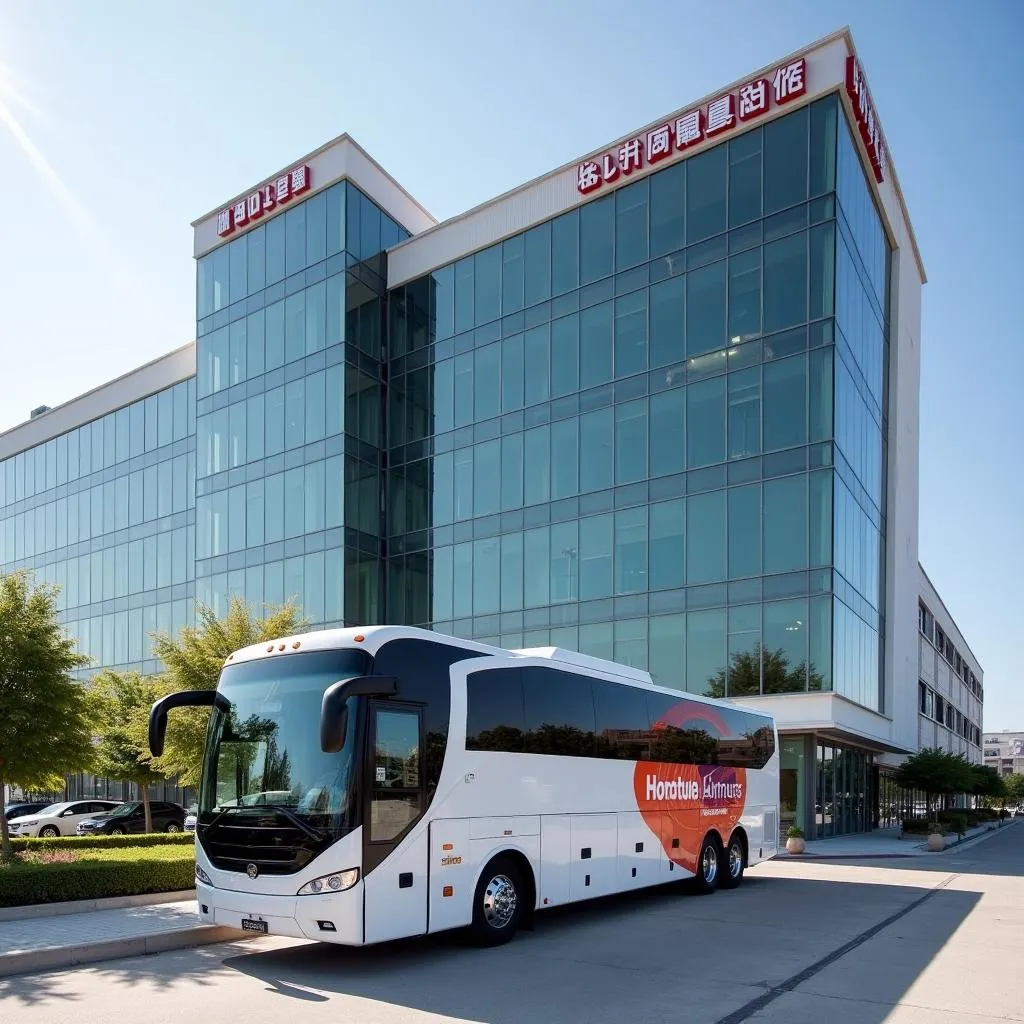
[(721, 115), (864, 113), (263, 200)]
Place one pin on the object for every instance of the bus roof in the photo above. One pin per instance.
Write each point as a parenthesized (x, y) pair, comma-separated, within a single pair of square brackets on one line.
[(565, 657), (367, 638)]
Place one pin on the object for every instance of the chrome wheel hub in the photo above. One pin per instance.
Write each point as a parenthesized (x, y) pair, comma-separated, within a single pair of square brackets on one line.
[(709, 864), (500, 900), (735, 860)]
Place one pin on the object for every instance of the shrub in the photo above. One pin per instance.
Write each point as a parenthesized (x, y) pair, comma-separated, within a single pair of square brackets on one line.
[(916, 826), (957, 821), (794, 832), (47, 857), (97, 874), (106, 842)]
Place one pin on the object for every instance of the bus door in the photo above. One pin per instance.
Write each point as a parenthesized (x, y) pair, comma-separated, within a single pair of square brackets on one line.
[(394, 869)]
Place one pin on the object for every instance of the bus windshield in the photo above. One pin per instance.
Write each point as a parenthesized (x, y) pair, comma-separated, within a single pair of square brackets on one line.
[(263, 755)]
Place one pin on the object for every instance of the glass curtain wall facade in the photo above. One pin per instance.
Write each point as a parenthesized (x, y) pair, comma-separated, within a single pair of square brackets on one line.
[(642, 430), (651, 429), (289, 360), (106, 512)]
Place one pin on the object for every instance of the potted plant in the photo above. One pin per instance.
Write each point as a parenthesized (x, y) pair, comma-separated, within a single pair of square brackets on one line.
[(936, 837), (795, 839)]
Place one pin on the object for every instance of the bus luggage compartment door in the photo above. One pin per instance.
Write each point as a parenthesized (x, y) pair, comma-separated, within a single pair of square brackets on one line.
[(452, 874), (640, 853), (555, 859), (594, 853)]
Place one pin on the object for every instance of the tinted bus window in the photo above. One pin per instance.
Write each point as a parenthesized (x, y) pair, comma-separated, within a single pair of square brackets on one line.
[(681, 732), (559, 713), (494, 710), (550, 711), (750, 741), (623, 723)]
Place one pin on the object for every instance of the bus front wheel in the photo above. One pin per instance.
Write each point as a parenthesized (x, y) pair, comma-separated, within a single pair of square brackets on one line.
[(498, 903)]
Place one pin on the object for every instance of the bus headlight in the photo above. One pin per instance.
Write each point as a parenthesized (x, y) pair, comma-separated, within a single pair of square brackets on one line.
[(202, 875), (338, 882)]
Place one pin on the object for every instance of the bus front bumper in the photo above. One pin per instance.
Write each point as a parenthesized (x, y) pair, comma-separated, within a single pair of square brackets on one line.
[(335, 917)]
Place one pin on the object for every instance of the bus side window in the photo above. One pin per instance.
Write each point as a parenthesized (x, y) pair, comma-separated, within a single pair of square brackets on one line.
[(688, 742), (559, 713), (623, 724), (494, 710)]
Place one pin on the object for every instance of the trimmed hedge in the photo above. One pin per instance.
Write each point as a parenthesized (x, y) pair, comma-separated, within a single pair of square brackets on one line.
[(917, 826), (106, 842), (110, 873), (959, 821)]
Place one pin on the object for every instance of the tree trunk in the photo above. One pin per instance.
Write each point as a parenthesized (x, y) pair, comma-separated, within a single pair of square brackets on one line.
[(6, 853), (144, 793)]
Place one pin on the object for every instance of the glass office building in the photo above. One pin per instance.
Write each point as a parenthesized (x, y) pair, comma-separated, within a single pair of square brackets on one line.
[(106, 511), (290, 433), (647, 407), (656, 411)]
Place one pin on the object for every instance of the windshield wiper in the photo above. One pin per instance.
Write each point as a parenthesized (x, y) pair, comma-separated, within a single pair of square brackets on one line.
[(285, 812)]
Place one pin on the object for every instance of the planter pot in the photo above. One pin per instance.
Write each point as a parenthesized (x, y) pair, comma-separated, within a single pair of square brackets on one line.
[(795, 845), (936, 842)]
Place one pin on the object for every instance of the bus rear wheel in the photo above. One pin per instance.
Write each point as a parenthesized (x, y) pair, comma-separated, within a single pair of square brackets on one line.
[(708, 866), (732, 863), (498, 903)]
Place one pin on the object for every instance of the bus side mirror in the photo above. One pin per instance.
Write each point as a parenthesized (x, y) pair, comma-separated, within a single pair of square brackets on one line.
[(182, 699), (334, 710)]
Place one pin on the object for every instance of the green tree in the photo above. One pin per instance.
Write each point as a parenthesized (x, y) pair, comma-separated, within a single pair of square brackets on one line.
[(936, 773), (987, 783), (194, 659), (121, 702), (1014, 788), (45, 715)]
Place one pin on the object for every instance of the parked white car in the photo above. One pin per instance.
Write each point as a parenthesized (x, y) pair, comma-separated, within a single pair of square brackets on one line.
[(59, 819)]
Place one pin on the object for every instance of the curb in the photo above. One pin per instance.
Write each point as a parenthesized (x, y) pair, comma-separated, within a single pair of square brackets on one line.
[(980, 837), (31, 961), (924, 852), (147, 899), (847, 856)]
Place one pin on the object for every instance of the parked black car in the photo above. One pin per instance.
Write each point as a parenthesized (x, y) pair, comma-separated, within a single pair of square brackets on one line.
[(19, 810), (131, 817)]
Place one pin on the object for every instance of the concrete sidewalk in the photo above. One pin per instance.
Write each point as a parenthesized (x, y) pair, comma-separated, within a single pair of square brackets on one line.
[(63, 939), (887, 843)]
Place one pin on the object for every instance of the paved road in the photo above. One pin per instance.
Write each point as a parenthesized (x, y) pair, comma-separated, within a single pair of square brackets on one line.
[(922, 941)]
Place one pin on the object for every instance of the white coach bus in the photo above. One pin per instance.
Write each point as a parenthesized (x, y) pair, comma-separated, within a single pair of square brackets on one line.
[(362, 785)]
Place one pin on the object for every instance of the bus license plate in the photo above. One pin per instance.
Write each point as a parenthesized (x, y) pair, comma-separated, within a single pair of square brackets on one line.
[(251, 925)]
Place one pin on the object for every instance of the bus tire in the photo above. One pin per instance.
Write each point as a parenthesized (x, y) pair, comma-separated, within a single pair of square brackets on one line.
[(734, 859), (709, 862), (499, 903)]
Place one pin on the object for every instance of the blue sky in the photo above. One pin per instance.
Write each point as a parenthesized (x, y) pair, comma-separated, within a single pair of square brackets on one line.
[(130, 120)]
